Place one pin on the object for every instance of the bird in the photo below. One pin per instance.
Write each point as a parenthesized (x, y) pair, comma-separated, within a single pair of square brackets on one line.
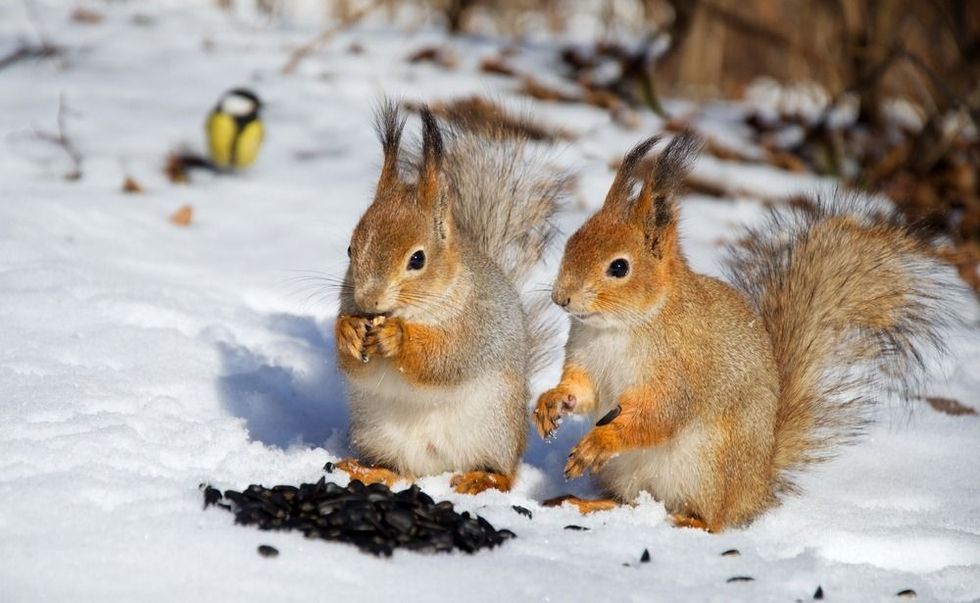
[(234, 129)]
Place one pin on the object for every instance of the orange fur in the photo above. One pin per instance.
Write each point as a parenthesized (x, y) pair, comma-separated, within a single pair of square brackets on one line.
[(584, 506), (686, 521), (575, 392), (368, 474), (474, 482), (412, 347), (640, 424)]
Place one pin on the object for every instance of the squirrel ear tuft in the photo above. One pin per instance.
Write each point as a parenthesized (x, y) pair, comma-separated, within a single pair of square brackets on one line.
[(655, 205), (430, 170), (619, 191), (674, 164), (389, 124)]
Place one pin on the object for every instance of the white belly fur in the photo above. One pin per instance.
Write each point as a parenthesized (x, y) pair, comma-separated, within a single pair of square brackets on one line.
[(603, 354), (668, 472), (426, 431)]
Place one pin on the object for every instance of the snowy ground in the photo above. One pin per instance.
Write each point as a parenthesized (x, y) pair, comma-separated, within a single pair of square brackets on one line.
[(139, 358)]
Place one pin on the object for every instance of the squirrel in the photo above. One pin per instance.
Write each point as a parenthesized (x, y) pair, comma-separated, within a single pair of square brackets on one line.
[(432, 337), (713, 395)]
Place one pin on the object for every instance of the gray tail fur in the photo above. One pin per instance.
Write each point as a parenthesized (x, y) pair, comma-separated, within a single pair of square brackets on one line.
[(853, 304), (506, 198)]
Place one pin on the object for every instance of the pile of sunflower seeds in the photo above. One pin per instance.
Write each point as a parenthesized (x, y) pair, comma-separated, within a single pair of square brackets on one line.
[(373, 518)]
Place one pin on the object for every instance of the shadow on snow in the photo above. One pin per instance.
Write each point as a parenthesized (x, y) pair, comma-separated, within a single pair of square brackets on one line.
[(289, 391)]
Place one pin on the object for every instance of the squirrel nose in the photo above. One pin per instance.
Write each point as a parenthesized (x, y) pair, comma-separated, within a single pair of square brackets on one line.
[(367, 298), (562, 301)]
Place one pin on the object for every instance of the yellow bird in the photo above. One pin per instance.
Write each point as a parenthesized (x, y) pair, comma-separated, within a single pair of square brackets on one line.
[(234, 129)]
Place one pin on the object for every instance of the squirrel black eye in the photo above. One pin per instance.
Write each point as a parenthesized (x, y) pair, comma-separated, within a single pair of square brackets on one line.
[(618, 268), (417, 261), (348, 251)]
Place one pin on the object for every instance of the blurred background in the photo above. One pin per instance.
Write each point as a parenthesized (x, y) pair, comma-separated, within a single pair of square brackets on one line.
[(882, 94)]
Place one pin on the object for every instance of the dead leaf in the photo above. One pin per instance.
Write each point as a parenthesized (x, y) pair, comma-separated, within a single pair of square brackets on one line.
[(183, 216), (537, 90), (130, 185), (87, 16), (497, 66), (787, 161), (440, 55), (175, 169), (950, 406)]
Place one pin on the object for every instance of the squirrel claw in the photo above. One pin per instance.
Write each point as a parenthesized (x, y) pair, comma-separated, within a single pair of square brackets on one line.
[(592, 453), (351, 334), (384, 338), (552, 406)]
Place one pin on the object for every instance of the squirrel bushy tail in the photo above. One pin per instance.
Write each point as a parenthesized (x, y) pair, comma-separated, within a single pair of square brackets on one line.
[(852, 302), (506, 200)]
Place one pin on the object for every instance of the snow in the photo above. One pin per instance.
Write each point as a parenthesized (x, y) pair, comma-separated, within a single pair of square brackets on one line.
[(140, 359)]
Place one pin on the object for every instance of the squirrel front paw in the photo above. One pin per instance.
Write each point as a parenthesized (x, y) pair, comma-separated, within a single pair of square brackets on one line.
[(351, 332), (552, 406), (385, 339), (593, 451)]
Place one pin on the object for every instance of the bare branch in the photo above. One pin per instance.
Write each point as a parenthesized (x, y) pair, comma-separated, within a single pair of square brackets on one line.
[(27, 51), (62, 140)]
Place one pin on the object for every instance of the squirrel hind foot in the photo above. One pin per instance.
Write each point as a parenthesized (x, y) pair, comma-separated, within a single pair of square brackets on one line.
[(583, 505), (681, 520), (475, 482), (368, 474)]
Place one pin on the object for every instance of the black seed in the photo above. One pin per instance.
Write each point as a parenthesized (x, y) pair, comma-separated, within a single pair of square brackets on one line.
[(740, 579), (645, 557), (609, 416), (307, 492), (236, 497), (819, 594), (731, 553), (288, 493), (211, 496), (577, 528), (333, 489), (521, 510), (908, 593), (400, 520), (268, 551), (371, 517)]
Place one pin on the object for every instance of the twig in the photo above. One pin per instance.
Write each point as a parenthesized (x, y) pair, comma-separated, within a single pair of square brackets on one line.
[(27, 51), (62, 140), (297, 55), (937, 80), (41, 50)]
